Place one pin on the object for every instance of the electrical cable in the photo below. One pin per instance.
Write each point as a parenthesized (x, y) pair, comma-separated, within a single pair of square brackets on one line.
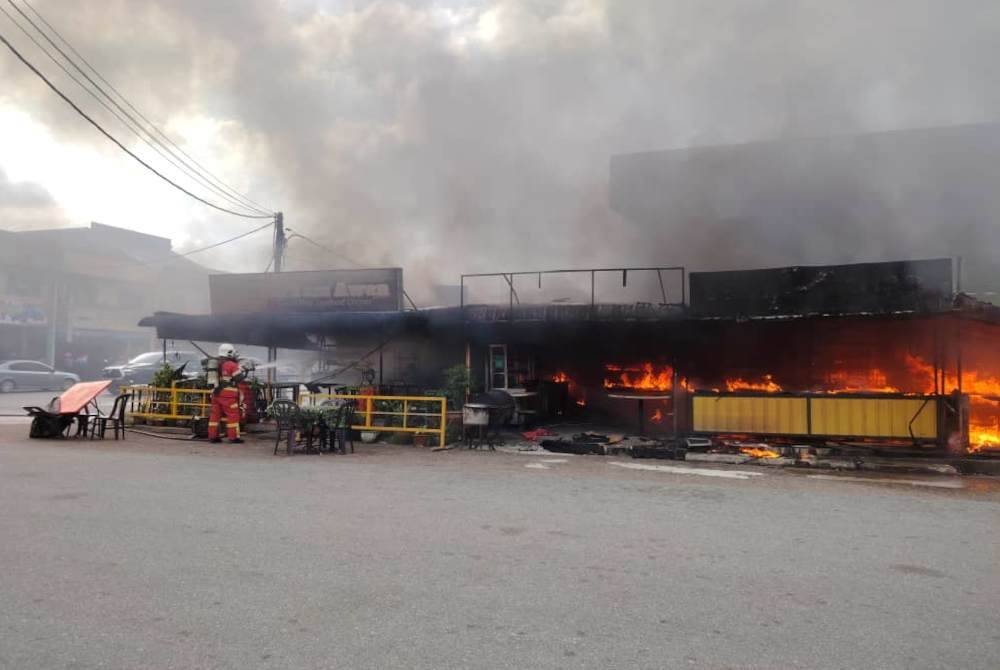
[(323, 247), (237, 199), (219, 244), (113, 139), (118, 116)]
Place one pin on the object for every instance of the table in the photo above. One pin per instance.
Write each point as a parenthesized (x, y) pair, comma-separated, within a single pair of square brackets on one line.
[(72, 404), (642, 398)]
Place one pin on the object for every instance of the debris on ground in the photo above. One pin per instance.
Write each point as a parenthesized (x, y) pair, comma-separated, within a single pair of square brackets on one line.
[(538, 433), (574, 446)]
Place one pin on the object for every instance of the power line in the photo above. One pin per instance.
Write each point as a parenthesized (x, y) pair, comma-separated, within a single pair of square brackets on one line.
[(112, 111), (113, 139), (199, 170), (323, 247), (227, 241), (130, 122)]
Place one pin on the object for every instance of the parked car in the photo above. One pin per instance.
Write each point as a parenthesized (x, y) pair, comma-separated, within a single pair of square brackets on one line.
[(142, 368), (33, 376)]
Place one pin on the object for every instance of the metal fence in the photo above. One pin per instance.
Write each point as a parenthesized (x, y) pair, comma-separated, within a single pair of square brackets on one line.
[(421, 415), (675, 294), (167, 404)]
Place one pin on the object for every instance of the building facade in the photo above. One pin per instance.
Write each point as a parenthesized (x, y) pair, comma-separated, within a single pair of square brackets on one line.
[(73, 297)]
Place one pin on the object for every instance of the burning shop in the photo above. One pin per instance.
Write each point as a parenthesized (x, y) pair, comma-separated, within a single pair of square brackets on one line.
[(881, 354)]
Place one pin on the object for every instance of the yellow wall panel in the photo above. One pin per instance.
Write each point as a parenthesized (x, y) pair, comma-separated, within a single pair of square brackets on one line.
[(874, 417), (750, 414), (831, 416)]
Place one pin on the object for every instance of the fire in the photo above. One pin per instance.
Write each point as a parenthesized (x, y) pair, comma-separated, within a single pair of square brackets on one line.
[(974, 384), (760, 452), (920, 370), (645, 377), (862, 381), (984, 424), (983, 438), (657, 416), (577, 394), (767, 384)]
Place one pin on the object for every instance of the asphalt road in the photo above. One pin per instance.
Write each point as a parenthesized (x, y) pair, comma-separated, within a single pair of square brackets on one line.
[(172, 555)]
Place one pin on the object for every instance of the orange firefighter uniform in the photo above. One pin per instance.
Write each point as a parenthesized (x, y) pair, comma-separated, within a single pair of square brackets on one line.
[(226, 401)]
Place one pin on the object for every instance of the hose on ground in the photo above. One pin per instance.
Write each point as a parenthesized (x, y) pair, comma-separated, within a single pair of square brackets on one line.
[(189, 438)]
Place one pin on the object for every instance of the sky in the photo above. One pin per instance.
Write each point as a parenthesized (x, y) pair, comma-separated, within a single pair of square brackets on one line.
[(450, 137)]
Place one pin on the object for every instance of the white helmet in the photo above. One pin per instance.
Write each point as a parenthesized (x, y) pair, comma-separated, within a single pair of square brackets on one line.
[(227, 351)]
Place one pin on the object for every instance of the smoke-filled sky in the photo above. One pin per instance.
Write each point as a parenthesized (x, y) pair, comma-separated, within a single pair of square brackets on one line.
[(465, 135)]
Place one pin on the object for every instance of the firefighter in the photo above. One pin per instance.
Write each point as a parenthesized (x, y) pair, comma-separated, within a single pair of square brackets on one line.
[(226, 396)]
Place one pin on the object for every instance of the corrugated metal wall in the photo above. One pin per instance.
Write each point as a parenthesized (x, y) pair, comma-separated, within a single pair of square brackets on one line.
[(768, 415), (817, 416), (874, 417)]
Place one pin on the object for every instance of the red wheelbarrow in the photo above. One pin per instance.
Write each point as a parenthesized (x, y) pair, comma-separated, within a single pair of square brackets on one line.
[(56, 419)]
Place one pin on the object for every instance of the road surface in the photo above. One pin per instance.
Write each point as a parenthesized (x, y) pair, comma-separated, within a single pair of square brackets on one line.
[(155, 554)]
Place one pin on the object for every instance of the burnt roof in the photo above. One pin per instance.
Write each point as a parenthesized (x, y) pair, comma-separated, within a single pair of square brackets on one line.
[(860, 288)]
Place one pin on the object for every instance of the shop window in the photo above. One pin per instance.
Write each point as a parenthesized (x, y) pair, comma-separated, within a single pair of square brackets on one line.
[(509, 368)]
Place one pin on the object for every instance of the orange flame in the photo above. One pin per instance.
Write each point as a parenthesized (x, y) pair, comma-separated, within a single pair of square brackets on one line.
[(984, 424), (560, 377), (860, 381), (645, 377), (657, 416), (922, 372), (767, 384), (975, 384), (760, 452), (983, 439)]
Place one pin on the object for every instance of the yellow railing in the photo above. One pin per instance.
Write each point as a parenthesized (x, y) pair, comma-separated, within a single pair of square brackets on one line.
[(423, 415), (175, 403)]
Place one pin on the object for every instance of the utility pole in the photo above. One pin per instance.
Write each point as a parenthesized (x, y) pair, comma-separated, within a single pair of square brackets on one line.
[(50, 339), (279, 240), (278, 255)]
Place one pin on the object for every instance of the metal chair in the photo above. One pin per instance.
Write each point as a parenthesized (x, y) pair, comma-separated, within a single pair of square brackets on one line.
[(116, 417), (286, 417)]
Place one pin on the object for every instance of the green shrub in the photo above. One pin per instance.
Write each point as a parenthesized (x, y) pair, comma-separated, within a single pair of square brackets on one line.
[(456, 381)]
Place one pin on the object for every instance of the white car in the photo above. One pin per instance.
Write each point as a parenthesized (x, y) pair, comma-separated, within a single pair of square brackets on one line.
[(142, 368)]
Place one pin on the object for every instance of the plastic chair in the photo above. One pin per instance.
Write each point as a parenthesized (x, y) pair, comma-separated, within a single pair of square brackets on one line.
[(333, 414), (286, 417), (116, 417)]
